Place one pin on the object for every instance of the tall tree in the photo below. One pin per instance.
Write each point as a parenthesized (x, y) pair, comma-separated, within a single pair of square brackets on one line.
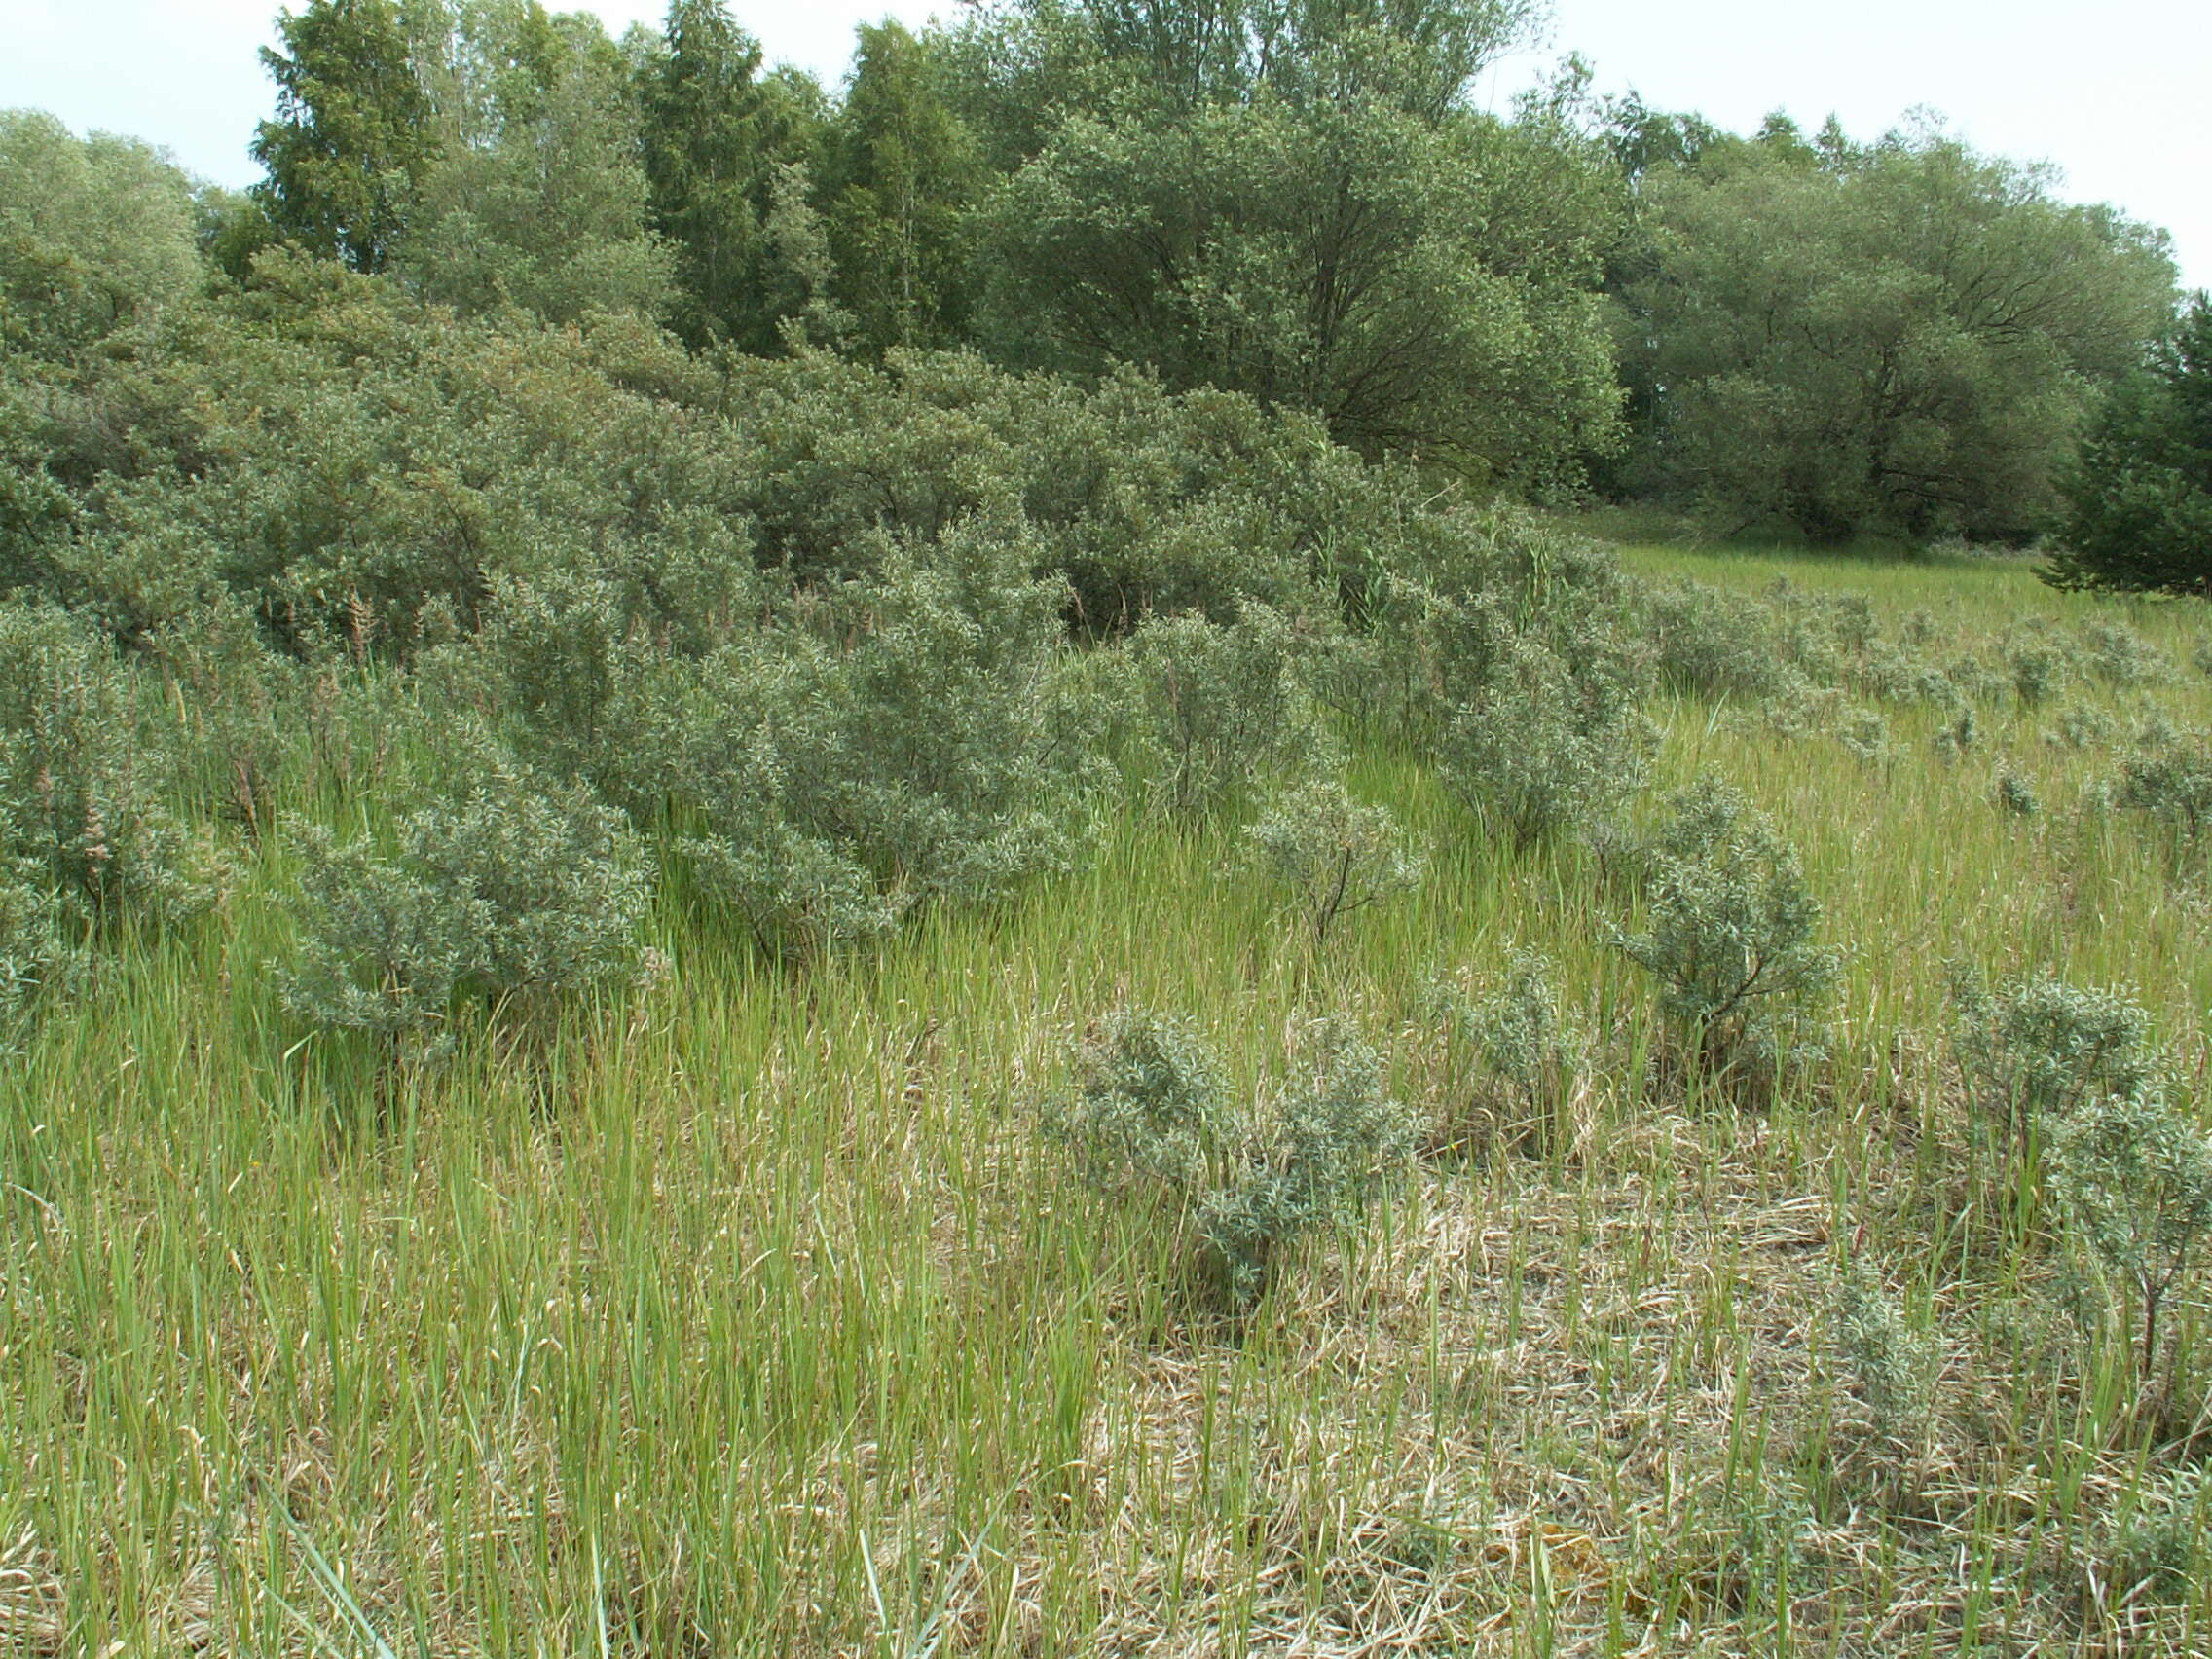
[(1294, 201), (904, 175), (354, 132), (2139, 501), (1899, 338), (539, 198), (708, 164)]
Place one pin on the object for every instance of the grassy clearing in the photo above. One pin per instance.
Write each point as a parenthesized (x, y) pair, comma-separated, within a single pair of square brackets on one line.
[(749, 1315)]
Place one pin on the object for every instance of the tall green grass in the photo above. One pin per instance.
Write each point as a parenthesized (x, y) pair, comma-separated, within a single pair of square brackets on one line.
[(749, 1314)]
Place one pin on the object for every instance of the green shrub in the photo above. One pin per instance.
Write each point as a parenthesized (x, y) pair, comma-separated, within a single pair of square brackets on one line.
[(2121, 657), (1331, 855), (1732, 931), (1150, 1119), (1150, 1108), (2037, 665), (509, 888), (2017, 796), (1529, 1054), (2032, 1050), (84, 782), (1892, 1366), (37, 950), (1334, 1137), (1223, 707), (2169, 778), (856, 747), (1709, 642), (1553, 743), (2133, 1173)]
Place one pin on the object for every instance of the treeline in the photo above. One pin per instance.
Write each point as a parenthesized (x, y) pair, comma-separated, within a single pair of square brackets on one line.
[(1301, 202)]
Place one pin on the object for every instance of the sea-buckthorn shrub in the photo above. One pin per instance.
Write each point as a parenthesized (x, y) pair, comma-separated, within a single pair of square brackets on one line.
[(1332, 856), (506, 887), (2169, 778), (860, 745), (1554, 743), (1530, 1052), (84, 778), (1732, 933), (2132, 1171), (1891, 1366), (1150, 1118), (1222, 708), (1711, 643), (1332, 1139), (2031, 1051)]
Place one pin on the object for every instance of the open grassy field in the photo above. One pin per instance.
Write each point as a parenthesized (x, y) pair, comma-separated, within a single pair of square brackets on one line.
[(754, 1314)]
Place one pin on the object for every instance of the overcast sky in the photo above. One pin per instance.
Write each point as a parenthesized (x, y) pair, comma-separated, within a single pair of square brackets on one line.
[(2113, 92)]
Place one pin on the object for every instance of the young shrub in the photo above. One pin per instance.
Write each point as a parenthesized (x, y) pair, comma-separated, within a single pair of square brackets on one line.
[(1221, 706), (1150, 1119), (2017, 796), (1864, 733), (1893, 1367), (1331, 855), (1958, 735), (1732, 933), (36, 949), (2039, 666), (2032, 1050), (1549, 744), (2169, 780), (1709, 642), (1336, 1136), (2133, 1173), (512, 888), (83, 784), (2121, 657), (2081, 725), (1149, 1111), (1531, 1054)]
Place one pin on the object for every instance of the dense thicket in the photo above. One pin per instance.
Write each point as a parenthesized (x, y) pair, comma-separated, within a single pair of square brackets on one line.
[(2139, 502), (1899, 338), (1300, 202)]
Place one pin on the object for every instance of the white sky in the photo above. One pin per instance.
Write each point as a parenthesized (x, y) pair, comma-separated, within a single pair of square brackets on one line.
[(2113, 92)]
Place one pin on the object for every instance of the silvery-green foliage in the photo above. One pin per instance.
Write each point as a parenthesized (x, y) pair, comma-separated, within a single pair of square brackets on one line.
[(2133, 1173), (1332, 855), (2082, 725), (1898, 673), (1149, 1109), (1864, 733), (2032, 1050), (1893, 1366), (2038, 664), (1334, 1137), (507, 885), (84, 780), (1958, 734), (1151, 1116), (1554, 741), (36, 948), (1732, 933), (2121, 657), (1223, 707), (1711, 643), (1531, 1053), (2017, 796), (2169, 778), (912, 733)]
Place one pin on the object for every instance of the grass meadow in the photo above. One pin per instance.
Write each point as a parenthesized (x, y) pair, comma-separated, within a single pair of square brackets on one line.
[(751, 1313)]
